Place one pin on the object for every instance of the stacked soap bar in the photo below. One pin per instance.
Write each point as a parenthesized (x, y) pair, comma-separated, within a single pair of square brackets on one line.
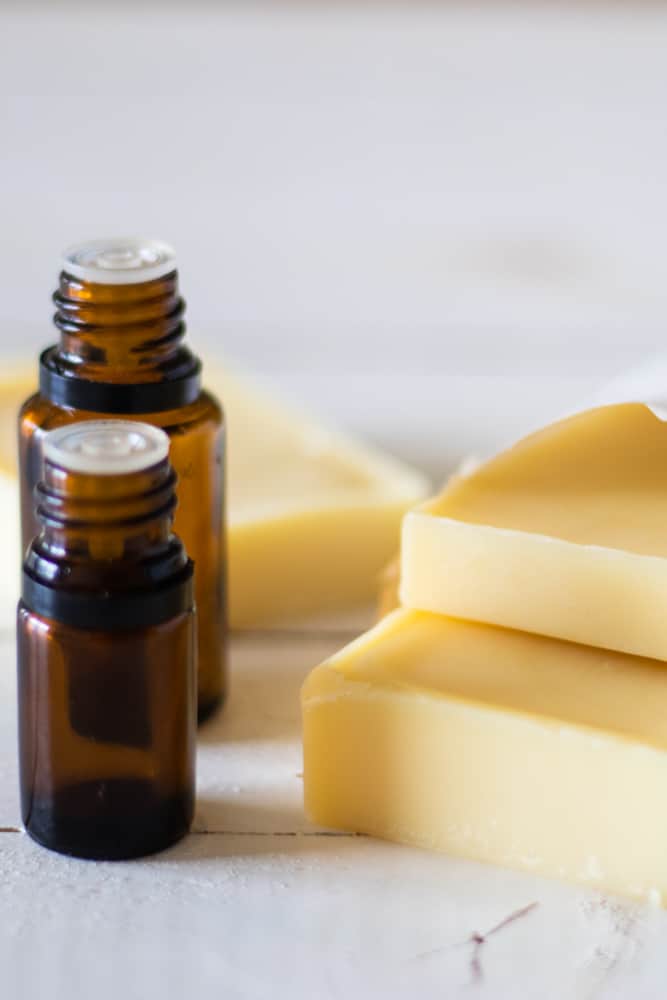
[(510, 748), (313, 515), (563, 534), (498, 744)]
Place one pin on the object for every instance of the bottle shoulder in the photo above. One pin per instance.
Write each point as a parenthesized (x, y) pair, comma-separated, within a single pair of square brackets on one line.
[(38, 413), (34, 405), (212, 405)]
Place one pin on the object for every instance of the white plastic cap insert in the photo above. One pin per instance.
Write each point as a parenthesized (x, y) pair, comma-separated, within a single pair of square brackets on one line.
[(106, 447), (120, 261)]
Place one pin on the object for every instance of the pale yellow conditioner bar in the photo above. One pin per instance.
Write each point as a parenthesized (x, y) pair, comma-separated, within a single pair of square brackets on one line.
[(494, 745), (565, 535), (313, 515)]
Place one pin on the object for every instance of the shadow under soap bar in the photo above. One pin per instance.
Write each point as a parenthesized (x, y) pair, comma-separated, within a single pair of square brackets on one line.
[(563, 535), (494, 745)]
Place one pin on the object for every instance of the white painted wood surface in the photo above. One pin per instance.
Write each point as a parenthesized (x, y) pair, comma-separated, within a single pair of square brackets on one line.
[(258, 903), (435, 224)]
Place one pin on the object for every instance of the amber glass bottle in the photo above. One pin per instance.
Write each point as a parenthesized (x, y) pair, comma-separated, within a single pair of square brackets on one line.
[(121, 353), (107, 649)]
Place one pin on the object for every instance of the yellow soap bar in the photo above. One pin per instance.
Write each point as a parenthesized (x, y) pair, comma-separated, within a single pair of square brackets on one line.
[(494, 745), (388, 598), (313, 515), (564, 535)]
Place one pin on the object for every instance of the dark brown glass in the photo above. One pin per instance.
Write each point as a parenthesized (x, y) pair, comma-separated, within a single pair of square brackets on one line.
[(107, 716), (132, 335)]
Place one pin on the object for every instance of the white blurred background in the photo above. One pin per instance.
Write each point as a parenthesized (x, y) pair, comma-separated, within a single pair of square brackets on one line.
[(433, 223)]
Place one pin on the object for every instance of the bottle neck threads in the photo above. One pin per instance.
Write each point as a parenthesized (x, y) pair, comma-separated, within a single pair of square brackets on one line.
[(96, 517), (105, 556), (121, 347)]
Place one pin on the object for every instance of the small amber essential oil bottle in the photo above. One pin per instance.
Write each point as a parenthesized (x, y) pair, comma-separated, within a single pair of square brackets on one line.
[(121, 354), (107, 649)]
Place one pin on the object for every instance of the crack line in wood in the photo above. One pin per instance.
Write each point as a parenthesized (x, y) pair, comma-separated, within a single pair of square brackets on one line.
[(274, 833), (478, 941), (246, 833), (278, 633)]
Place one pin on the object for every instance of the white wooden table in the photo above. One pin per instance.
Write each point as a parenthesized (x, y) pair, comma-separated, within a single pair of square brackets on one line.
[(258, 903)]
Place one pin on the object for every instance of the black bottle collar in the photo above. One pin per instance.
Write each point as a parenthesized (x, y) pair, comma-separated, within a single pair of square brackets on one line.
[(108, 397), (110, 612)]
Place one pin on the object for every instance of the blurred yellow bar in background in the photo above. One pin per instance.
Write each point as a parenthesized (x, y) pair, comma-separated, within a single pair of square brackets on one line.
[(313, 515)]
